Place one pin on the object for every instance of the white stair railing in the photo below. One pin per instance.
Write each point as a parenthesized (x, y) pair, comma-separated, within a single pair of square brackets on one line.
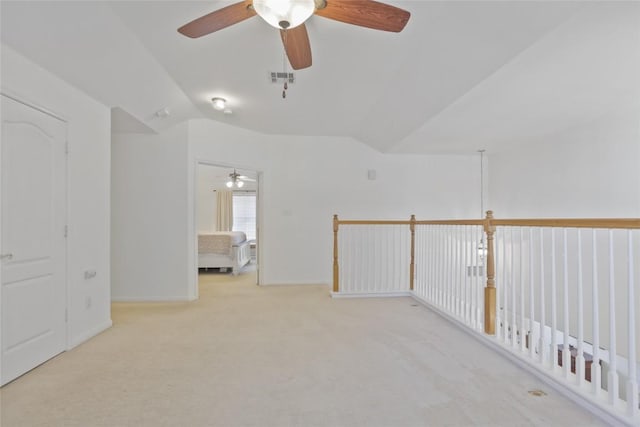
[(558, 293)]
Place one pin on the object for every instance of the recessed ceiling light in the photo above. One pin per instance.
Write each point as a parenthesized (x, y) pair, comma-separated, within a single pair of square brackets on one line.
[(163, 113), (219, 103)]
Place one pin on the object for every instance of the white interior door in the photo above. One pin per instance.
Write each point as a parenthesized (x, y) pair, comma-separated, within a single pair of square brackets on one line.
[(32, 247)]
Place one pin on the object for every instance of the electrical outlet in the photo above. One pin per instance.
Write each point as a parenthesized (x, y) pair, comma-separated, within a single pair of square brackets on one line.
[(87, 303)]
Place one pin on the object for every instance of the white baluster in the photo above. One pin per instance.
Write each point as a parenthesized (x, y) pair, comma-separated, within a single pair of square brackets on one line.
[(632, 382), (596, 374), (531, 298), (357, 279), (481, 279), (542, 343), (441, 275), (554, 307), (441, 254), (456, 277), (365, 257), (449, 270), (348, 278), (612, 378), (467, 277), (474, 277), (505, 286), (374, 274), (434, 264), (426, 260), (366, 283), (461, 272), (523, 329), (344, 258), (434, 276), (566, 355), (378, 260), (399, 255), (580, 349), (514, 310), (354, 271), (438, 272), (454, 271), (405, 237), (433, 256)]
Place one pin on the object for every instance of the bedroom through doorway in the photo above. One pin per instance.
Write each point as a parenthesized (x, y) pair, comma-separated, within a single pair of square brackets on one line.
[(226, 225)]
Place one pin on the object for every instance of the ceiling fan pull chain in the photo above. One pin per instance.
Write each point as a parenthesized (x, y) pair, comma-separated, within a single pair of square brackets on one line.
[(284, 65)]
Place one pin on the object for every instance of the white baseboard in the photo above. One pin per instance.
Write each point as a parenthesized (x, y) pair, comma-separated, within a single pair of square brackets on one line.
[(610, 415), (294, 284), (371, 295), (76, 341), (153, 299)]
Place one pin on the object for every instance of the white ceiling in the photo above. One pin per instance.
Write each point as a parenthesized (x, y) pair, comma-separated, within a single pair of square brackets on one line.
[(463, 75)]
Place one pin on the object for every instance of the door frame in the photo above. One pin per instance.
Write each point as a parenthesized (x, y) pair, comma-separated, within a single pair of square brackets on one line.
[(193, 221), (24, 100)]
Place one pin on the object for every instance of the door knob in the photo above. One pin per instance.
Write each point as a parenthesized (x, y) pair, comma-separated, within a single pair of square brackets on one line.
[(6, 256)]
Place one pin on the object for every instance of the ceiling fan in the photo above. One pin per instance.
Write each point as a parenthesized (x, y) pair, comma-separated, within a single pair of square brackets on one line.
[(237, 180), (289, 17)]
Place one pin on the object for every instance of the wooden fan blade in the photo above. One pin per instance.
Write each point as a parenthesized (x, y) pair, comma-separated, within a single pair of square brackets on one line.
[(296, 44), (218, 20), (366, 13)]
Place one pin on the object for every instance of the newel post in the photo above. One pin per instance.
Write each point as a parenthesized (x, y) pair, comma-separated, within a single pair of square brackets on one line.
[(336, 286), (490, 289), (412, 227)]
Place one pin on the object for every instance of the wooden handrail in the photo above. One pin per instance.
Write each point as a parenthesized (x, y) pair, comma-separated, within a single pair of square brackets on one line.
[(625, 223), (373, 222), (614, 223)]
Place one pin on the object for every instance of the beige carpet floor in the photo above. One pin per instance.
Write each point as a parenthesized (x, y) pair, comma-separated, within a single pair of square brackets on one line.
[(244, 355)]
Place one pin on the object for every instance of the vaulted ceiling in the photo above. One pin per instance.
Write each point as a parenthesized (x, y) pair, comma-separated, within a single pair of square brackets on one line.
[(463, 75)]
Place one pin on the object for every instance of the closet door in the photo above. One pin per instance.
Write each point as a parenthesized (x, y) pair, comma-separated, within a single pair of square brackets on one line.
[(33, 238)]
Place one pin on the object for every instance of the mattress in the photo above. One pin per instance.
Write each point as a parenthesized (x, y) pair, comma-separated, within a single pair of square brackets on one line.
[(219, 242)]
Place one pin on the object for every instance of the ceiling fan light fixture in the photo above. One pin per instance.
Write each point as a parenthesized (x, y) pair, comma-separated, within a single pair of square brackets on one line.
[(240, 183), (284, 14), (229, 184), (219, 103)]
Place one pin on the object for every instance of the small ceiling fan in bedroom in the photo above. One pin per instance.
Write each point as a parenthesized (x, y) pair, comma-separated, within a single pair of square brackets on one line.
[(237, 180), (289, 17)]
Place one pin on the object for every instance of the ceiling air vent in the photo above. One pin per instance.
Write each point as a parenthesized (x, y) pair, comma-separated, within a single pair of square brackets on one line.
[(279, 77)]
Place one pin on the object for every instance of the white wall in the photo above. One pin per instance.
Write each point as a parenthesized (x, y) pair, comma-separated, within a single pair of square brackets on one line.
[(149, 216), (206, 199), (88, 193), (590, 171), (306, 180)]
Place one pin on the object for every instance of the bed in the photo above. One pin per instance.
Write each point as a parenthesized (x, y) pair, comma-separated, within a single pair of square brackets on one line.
[(224, 249)]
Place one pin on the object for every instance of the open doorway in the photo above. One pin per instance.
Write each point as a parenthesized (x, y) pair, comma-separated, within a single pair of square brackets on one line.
[(226, 201)]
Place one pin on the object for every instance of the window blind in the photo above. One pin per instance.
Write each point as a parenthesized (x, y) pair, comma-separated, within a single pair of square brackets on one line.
[(244, 213)]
